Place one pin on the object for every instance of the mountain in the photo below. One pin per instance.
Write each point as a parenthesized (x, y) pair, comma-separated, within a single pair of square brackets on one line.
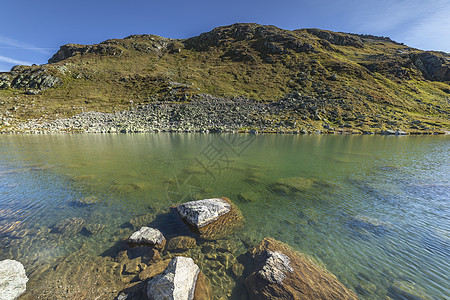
[(354, 81)]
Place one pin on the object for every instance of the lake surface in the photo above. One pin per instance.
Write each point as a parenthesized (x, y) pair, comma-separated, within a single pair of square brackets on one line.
[(374, 210)]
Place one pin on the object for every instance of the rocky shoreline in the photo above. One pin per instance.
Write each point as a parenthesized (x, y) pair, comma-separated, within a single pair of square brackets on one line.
[(294, 114)]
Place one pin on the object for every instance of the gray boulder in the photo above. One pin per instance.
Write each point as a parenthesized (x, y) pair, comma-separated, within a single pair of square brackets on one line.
[(202, 212), (176, 282), (13, 280), (147, 236)]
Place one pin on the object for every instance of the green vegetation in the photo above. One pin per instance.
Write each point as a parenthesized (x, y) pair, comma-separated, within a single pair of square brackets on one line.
[(378, 83)]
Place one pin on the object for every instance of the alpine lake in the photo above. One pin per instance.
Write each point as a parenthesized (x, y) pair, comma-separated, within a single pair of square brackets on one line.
[(373, 210)]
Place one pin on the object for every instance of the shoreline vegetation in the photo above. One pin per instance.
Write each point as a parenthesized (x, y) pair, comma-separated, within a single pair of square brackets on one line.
[(248, 78)]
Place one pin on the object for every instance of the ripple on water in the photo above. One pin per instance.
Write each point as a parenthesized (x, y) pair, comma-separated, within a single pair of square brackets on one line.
[(380, 225)]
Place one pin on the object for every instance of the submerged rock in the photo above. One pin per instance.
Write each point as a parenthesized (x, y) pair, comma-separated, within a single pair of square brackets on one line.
[(406, 290), (364, 225), (248, 197), (212, 218), (180, 280), (181, 243), (298, 184), (13, 280), (147, 236), (69, 227), (94, 229), (86, 201), (154, 269), (282, 273), (142, 220)]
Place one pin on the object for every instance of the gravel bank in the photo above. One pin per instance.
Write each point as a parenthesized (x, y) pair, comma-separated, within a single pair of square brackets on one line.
[(204, 113)]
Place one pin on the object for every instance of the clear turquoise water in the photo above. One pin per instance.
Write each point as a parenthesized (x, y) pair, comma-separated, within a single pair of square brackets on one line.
[(381, 221)]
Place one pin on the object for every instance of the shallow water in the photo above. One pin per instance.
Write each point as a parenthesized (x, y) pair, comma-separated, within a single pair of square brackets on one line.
[(374, 210)]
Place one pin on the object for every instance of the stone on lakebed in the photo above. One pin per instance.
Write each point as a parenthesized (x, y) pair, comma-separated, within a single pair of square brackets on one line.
[(182, 279), (147, 236), (13, 280), (213, 218), (181, 243)]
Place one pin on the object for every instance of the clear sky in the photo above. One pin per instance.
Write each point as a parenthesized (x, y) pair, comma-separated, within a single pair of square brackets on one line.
[(31, 31)]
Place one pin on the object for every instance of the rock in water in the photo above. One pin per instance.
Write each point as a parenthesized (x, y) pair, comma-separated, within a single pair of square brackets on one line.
[(282, 273), (69, 227), (154, 269), (212, 218), (178, 281), (147, 236), (13, 280), (181, 243), (202, 212), (294, 185)]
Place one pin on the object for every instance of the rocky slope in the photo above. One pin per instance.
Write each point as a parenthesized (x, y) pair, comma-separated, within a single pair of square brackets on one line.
[(303, 80)]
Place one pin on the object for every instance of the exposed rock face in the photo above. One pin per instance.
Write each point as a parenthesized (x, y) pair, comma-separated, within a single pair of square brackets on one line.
[(147, 236), (433, 66), (266, 39), (70, 50), (202, 212), (282, 273), (336, 38), (34, 79), (212, 218), (178, 281), (13, 280)]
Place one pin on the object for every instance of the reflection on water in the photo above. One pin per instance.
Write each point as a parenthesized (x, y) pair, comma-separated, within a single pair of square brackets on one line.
[(373, 210)]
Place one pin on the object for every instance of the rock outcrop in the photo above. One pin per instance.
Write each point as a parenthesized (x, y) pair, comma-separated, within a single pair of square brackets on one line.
[(433, 66), (147, 236), (264, 39), (337, 38), (70, 50), (178, 281), (32, 79), (212, 218), (282, 273), (13, 280)]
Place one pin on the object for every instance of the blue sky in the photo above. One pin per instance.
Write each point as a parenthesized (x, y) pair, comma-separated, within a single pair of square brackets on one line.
[(31, 31)]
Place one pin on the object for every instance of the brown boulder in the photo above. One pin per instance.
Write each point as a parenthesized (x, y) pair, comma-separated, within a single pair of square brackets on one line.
[(153, 269), (203, 290), (282, 273)]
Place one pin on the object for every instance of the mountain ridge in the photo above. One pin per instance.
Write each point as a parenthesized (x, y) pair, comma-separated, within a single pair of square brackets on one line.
[(371, 75)]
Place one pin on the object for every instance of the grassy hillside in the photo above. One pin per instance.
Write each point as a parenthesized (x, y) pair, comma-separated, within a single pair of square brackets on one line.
[(376, 83)]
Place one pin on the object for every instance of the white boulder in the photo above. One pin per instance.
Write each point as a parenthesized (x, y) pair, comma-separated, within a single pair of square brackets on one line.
[(202, 212), (13, 280), (176, 282), (147, 236)]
